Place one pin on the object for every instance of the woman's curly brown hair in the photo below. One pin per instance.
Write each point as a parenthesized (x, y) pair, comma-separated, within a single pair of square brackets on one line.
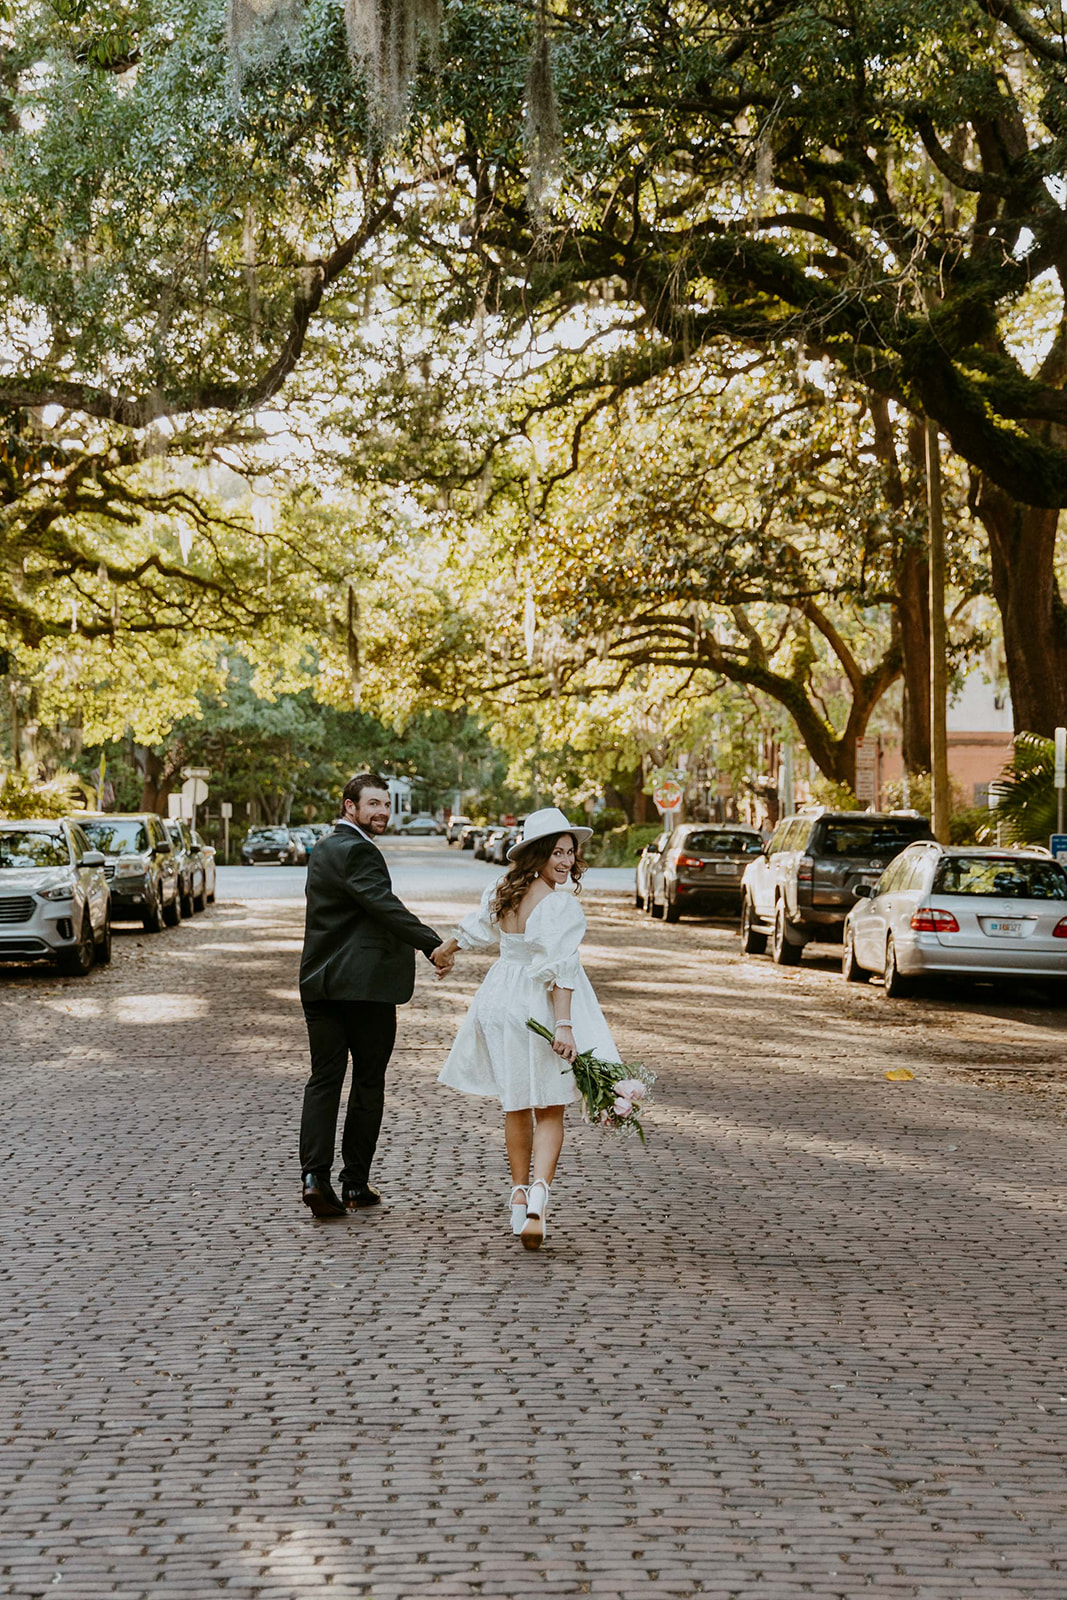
[(525, 867)]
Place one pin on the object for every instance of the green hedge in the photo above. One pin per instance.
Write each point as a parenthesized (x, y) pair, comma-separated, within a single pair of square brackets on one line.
[(621, 846)]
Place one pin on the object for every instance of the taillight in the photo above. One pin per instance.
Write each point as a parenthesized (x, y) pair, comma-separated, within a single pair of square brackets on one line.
[(805, 870), (1060, 930), (692, 862), (929, 920)]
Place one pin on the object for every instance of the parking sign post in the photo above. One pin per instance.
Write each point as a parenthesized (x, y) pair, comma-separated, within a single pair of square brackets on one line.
[(1060, 774)]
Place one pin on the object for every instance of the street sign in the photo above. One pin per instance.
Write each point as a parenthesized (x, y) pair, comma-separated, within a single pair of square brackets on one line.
[(174, 806), (226, 810), (867, 771), (1058, 845), (194, 792), (196, 772), (669, 795)]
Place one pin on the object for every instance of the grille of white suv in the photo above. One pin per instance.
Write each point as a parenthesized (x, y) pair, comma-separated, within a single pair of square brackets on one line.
[(16, 908)]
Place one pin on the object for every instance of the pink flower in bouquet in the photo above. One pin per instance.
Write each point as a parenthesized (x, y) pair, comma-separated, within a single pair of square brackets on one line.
[(631, 1089), (622, 1106)]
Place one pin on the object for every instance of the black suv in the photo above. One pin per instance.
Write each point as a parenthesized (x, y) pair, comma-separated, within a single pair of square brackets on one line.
[(804, 883), (141, 865)]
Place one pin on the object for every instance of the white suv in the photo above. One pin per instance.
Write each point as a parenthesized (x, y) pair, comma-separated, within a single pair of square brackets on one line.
[(54, 897)]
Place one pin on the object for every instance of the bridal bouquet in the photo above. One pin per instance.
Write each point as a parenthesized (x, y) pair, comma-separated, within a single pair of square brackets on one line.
[(612, 1091)]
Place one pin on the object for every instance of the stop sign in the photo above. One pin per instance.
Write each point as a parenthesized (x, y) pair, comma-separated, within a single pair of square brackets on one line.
[(669, 795)]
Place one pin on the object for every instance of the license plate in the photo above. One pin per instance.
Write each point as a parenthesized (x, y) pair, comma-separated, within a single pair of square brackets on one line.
[(1003, 928), (726, 866)]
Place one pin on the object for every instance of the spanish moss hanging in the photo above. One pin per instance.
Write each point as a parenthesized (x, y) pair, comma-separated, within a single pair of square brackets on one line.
[(259, 31), (542, 122), (385, 38)]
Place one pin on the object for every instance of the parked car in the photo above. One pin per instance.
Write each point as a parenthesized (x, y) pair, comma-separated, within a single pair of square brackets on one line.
[(645, 862), (141, 865), (481, 844), (455, 827), (700, 868), (308, 837), (422, 823), (207, 856), (271, 844), (973, 913), (191, 886), (470, 836), (502, 841), (804, 883), (54, 899)]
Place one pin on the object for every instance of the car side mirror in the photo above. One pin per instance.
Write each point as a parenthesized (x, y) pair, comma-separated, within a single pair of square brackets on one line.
[(93, 858), (864, 891)]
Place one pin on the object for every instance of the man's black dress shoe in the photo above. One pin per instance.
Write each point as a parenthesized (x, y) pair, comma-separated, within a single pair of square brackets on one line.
[(359, 1194), (320, 1198)]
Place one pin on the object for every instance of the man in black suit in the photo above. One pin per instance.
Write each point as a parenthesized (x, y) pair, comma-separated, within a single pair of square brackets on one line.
[(358, 965)]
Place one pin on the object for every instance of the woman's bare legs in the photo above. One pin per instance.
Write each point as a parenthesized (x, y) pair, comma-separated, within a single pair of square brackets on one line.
[(519, 1136), (541, 1143), (547, 1142)]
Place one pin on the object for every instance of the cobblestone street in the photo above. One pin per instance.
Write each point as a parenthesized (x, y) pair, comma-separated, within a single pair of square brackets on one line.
[(809, 1342)]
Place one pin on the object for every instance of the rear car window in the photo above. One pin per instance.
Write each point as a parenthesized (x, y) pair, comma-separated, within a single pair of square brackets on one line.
[(30, 848), (877, 839), (723, 844), (1001, 876), (113, 838)]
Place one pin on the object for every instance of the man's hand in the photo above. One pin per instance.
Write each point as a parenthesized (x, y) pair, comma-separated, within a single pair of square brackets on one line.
[(444, 958)]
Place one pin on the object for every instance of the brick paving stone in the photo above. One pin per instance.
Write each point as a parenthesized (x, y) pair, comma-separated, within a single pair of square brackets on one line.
[(809, 1342)]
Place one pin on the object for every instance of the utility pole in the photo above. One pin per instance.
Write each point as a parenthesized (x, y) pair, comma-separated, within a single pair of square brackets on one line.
[(940, 794)]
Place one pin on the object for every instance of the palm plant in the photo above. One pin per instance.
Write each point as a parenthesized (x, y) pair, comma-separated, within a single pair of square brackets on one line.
[(1026, 803), (22, 796)]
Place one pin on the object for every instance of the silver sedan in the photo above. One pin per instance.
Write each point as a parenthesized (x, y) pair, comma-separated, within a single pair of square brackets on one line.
[(972, 913)]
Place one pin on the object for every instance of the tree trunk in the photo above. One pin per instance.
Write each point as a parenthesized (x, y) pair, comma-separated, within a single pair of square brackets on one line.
[(1022, 550), (913, 622)]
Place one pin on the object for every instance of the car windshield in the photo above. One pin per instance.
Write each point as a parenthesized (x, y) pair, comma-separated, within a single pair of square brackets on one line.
[(269, 836), (881, 838), (1002, 876), (27, 847), (723, 844), (116, 838)]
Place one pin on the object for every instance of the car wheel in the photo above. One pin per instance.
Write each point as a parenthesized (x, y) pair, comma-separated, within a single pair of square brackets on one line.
[(897, 985), (186, 898), (851, 970), (783, 952), (103, 944), (76, 962), (639, 900), (153, 915), (671, 912), (172, 914), (210, 898), (752, 943), (654, 907), (200, 900)]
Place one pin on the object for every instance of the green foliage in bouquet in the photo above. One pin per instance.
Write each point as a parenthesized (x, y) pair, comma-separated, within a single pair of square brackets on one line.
[(613, 1092)]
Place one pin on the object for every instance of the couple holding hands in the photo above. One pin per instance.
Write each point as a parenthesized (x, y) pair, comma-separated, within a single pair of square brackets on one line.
[(358, 965)]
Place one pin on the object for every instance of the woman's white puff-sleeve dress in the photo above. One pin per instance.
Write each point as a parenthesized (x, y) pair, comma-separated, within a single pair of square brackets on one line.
[(494, 1051)]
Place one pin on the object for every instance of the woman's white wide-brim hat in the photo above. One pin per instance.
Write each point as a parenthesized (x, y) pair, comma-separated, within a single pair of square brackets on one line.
[(542, 824)]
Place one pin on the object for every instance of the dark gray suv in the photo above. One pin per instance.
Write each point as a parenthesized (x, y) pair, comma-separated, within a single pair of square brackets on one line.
[(804, 883), (141, 864)]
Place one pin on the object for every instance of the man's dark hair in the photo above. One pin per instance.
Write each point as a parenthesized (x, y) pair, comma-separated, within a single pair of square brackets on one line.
[(355, 787)]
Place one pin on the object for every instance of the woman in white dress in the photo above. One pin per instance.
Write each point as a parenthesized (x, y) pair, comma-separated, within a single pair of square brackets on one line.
[(533, 917)]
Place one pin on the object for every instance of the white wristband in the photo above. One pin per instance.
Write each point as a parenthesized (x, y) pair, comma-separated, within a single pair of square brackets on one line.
[(560, 1025)]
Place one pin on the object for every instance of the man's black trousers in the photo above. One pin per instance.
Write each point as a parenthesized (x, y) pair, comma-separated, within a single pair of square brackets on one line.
[(337, 1029)]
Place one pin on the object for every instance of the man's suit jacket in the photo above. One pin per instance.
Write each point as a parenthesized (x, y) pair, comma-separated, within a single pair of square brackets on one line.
[(359, 939)]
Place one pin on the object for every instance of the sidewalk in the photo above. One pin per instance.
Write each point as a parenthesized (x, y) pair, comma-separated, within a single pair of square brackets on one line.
[(809, 1343)]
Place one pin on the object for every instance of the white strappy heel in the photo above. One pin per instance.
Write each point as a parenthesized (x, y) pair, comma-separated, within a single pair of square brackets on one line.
[(535, 1228), (518, 1208)]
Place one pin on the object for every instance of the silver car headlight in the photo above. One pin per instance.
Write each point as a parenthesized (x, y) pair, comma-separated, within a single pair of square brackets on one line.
[(61, 891)]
